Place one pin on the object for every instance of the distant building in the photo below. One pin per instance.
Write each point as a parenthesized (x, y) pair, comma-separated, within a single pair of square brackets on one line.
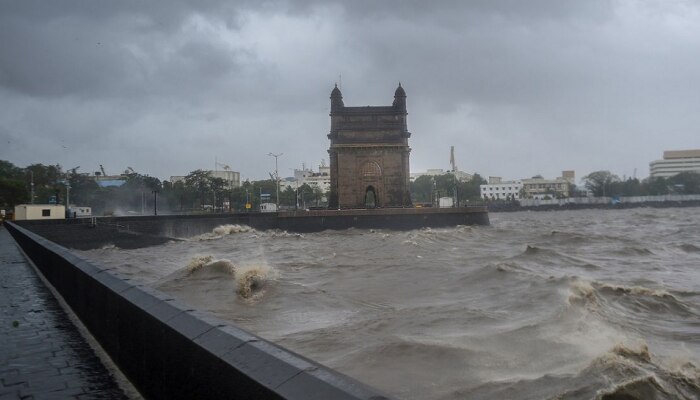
[(39, 211), (539, 188), (675, 162), (320, 179), (496, 189), (232, 179), (461, 176)]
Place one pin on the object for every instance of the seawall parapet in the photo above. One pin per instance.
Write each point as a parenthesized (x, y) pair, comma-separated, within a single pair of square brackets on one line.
[(143, 231), (169, 350)]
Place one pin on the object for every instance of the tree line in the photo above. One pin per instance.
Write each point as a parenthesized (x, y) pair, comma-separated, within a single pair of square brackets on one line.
[(428, 188), (605, 183), (141, 193), (200, 191)]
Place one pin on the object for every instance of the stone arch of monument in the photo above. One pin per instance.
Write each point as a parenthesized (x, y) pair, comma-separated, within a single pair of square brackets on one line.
[(369, 148)]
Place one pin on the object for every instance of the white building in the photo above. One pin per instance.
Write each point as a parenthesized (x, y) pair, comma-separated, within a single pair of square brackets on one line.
[(39, 211), (497, 189), (320, 179), (675, 162), (232, 179)]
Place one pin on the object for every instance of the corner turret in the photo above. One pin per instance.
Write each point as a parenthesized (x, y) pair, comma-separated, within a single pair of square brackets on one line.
[(336, 99), (400, 99)]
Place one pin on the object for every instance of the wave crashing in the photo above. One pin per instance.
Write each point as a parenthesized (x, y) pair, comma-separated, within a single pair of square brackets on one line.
[(637, 376), (221, 231), (250, 279), (208, 262)]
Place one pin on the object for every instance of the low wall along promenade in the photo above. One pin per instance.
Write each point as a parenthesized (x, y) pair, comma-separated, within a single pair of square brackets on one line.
[(169, 350), (142, 231)]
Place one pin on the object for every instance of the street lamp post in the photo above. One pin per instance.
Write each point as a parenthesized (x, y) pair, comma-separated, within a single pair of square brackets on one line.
[(32, 173), (68, 190), (155, 202), (277, 179)]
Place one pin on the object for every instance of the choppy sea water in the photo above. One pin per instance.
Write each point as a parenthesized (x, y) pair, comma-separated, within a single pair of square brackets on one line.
[(591, 304)]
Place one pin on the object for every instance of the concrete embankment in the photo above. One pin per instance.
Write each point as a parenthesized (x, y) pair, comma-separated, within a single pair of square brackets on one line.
[(170, 351), (143, 231), (515, 206)]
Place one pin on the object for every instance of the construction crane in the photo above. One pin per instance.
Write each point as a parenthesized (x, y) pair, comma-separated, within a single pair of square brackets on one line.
[(103, 170), (224, 166)]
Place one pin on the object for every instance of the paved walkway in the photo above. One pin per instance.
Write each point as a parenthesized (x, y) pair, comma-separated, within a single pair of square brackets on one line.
[(42, 354)]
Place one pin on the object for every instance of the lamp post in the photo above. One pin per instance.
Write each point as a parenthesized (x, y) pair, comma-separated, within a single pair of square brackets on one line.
[(68, 190), (155, 202), (277, 179), (32, 173)]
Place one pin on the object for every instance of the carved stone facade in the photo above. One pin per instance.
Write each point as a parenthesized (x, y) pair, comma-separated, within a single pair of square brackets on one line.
[(369, 154)]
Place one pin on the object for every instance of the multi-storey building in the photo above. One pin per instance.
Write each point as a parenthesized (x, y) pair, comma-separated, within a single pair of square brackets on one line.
[(539, 188), (497, 189), (675, 162)]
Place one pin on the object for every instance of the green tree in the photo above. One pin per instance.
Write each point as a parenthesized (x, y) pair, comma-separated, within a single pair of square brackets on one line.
[(305, 194), (630, 187), (656, 186), (422, 189), (317, 195), (49, 181), (686, 182), (471, 189), (218, 188), (600, 182), (12, 187), (288, 197), (200, 183)]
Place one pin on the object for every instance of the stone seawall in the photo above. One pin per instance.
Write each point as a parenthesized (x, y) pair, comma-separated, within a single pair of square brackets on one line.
[(171, 351), (143, 231)]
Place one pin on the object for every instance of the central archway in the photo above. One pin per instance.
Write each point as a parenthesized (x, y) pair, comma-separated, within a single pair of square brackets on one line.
[(371, 200)]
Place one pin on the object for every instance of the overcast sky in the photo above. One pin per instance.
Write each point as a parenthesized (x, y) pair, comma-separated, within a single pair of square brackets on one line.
[(518, 87)]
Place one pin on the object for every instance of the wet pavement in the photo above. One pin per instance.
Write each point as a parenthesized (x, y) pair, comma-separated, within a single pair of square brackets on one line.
[(42, 354)]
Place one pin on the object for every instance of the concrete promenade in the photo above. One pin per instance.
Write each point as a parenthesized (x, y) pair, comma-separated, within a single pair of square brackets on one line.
[(42, 354)]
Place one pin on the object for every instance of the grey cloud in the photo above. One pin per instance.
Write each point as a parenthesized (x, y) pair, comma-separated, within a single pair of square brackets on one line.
[(505, 81)]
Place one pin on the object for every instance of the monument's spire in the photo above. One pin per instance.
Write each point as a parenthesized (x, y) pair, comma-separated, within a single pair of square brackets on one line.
[(336, 99), (400, 98)]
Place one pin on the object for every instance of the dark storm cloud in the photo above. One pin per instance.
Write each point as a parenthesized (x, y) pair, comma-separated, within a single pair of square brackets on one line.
[(546, 85)]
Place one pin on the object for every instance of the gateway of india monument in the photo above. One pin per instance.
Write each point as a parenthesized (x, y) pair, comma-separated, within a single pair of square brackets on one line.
[(369, 154)]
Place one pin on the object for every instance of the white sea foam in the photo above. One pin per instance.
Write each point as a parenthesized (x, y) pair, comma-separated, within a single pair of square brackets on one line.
[(251, 280)]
